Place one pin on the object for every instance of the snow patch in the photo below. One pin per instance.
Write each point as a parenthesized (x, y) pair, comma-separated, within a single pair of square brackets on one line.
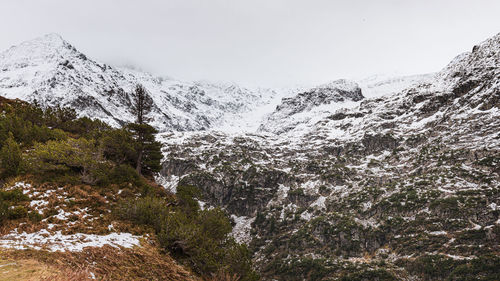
[(169, 183), (241, 231), (57, 241)]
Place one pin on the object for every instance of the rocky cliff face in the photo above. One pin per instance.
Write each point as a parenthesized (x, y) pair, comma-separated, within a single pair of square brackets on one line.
[(383, 189)]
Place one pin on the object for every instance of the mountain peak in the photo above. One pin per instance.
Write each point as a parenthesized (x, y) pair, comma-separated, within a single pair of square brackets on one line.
[(45, 42), (309, 106), (52, 39), (340, 84), (43, 48)]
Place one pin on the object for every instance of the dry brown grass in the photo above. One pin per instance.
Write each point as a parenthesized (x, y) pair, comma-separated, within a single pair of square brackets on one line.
[(69, 275), (107, 263), (33, 270), (7, 226)]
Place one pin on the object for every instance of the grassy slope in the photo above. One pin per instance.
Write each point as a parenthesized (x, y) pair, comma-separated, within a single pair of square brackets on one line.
[(107, 263)]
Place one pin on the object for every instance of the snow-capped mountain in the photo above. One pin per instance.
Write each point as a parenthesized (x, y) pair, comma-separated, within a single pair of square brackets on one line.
[(467, 90), (53, 72), (467, 87), (379, 190)]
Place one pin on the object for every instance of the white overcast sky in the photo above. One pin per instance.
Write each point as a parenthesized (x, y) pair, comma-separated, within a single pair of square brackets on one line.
[(260, 42)]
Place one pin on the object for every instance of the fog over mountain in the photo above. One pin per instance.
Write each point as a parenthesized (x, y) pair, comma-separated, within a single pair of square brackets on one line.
[(262, 43)]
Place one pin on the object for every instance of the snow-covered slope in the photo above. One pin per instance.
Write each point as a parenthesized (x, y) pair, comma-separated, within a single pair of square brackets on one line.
[(51, 71), (381, 85), (384, 185), (467, 90), (309, 106)]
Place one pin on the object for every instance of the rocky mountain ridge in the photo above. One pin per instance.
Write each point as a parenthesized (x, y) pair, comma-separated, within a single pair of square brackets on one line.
[(306, 106), (52, 72)]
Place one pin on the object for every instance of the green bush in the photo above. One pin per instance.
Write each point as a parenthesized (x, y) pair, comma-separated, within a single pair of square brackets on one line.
[(186, 195), (44, 134), (432, 267), (8, 207), (35, 216), (118, 145), (10, 157), (296, 192), (4, 211), (122, 174), (200, 239), (374, 275), (300, 269), (17, 212), (146, 211), (25, 132), (485, 267), (14, 196), (436, 267), (66, 157), (86, 127)]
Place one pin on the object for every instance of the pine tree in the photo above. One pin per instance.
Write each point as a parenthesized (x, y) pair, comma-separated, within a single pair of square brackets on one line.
[(147, 148), (141, 104)]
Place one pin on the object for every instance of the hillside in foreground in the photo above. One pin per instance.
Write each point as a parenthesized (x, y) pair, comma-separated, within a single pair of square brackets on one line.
[(73, 204)]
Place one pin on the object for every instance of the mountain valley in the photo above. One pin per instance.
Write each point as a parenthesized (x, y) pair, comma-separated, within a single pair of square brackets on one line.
[(378, 179)]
